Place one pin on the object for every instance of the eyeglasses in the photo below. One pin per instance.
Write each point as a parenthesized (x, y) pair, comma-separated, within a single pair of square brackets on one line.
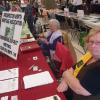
[(94, 42)]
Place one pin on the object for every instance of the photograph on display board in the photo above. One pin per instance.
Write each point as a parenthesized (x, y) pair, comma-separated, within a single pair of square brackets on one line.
[(9, 31)]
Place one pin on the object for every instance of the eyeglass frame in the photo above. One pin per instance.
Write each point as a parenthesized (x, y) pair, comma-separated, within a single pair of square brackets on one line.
[(93, 42)]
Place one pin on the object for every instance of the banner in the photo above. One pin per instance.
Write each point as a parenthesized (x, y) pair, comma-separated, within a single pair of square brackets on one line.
[(10, 33)]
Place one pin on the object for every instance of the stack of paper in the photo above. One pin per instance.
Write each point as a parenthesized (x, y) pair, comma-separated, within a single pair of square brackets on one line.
[(9, 85), (10, 73), (9, 80), (4, 98), (37, 79)]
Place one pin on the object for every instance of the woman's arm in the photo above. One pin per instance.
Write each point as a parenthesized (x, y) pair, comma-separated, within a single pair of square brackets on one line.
[(74, 84), (63, 85)]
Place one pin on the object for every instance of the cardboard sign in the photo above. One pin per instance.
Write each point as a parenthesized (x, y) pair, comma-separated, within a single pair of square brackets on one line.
[(66, 11), (10, 33)]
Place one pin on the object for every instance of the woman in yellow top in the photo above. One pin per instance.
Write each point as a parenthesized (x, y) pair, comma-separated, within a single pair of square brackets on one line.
[(83, 79)]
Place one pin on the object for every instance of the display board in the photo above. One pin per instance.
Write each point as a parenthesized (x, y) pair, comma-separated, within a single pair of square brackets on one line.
[(10, 33)]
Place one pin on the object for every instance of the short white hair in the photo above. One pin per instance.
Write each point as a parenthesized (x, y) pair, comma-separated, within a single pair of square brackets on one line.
[(56, 22)]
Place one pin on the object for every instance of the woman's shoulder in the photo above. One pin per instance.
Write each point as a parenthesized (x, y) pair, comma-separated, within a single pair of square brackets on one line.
[(95, 66)]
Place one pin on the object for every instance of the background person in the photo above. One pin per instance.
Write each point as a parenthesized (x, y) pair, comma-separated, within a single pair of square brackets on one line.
[(15, 8), (29, 17), (77, 5)]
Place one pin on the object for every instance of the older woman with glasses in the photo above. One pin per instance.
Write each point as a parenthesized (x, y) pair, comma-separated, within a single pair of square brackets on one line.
[(83, 79), (51, 37)]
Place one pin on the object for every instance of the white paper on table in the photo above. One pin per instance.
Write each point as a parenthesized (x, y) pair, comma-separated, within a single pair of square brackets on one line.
[(50, 98), (8, 85), (37, 79), (4, 98), (10, 73), (15, 97)]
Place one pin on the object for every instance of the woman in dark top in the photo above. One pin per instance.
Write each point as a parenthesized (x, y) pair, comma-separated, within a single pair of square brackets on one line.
[(85, 85)]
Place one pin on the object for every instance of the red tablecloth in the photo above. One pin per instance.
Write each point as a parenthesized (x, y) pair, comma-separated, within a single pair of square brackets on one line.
[(25, 60)]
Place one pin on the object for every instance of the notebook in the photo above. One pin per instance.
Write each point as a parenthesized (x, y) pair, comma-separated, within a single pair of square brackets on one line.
[(38, 79)]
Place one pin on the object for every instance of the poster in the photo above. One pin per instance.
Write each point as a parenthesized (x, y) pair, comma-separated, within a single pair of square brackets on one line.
[(10, 33)]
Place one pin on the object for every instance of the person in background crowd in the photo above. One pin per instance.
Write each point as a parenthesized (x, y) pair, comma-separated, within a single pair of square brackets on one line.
[(2, 8), (82, 79), (15, 8), (36, 6), (87, 6), (95, 1), (29, 17), (45, 15), (7, 6), (77, 5)]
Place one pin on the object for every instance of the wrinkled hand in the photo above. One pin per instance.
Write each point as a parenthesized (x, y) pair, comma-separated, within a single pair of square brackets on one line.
[(62, 86), (41, 35)]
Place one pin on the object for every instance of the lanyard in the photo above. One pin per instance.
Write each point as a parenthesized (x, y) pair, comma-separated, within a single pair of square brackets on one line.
[(81, 63)]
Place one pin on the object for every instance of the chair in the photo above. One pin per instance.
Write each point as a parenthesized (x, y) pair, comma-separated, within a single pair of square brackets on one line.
[(61, 19), (72, 27), (69, 23), (76, 28)]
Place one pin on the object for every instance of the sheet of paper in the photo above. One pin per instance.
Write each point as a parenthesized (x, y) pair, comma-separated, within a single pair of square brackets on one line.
[(4, 98), (15, 97), (8, 85), (54, 97), (37, 79), (10, 73)]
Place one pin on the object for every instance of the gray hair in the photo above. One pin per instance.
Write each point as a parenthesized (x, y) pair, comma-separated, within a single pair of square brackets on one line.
[(56, 22)]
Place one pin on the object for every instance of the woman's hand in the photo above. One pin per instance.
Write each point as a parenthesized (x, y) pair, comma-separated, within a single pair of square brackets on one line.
[(41, 35), (62, 86)]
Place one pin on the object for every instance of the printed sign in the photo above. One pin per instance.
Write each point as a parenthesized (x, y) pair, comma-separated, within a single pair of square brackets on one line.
[(10, 33)]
